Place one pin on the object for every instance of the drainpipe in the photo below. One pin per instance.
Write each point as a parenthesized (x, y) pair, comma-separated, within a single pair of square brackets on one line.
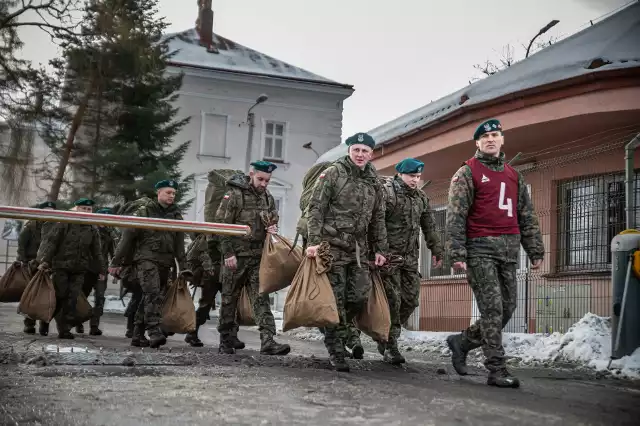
[(629, 181)]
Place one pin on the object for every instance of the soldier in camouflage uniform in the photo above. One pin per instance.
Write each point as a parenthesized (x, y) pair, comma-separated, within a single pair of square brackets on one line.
[(69, 249), (489, 216), (96, 281), (407, 211), (127, 275), (247, 202), (28, 244), (347, 211), (154, 254), (206, 275)]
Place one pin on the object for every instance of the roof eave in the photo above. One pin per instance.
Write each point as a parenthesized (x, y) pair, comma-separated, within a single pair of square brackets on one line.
[(556, 85), (262, 75)]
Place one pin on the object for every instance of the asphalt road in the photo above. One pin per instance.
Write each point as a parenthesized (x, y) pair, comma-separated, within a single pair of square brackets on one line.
[(104, 382)]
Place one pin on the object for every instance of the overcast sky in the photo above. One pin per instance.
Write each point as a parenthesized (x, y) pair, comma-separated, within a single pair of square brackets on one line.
[(399, 55)]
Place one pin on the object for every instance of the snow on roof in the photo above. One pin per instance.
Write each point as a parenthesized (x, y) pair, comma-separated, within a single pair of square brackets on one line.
[(235, 57), (612, 43)]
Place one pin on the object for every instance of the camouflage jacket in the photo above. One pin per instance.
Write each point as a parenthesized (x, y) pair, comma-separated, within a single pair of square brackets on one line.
[(407, 212), (71, 247), (29, 240), (461, 196), (160, 247), (347, 206), (198, 254), (243, 205), (107, 246)]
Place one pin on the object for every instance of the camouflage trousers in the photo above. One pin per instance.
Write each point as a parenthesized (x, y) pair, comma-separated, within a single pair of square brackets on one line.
[(153, 280), (351, 285), (495, 287), (245, 275), (402, 288), (92, 282), (68, 285)]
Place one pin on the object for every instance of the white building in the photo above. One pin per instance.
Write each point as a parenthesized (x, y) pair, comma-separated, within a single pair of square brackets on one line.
[(29, 156), (222, 81)]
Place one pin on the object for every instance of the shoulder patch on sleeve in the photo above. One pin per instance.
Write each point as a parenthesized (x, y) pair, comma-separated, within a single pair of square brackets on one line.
[(322, 175), (455, 178), (226, 196)]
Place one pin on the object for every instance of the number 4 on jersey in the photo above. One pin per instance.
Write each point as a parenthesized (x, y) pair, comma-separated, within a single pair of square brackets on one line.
[(508, 206)]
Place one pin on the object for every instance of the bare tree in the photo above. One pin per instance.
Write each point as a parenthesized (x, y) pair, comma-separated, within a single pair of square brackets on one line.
[(506, 57), (55, 16)]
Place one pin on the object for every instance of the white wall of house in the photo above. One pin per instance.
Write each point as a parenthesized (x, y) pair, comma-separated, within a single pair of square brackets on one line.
[(295, 113)]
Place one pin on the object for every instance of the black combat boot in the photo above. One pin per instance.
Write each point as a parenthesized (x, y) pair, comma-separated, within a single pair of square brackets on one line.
[(458, 354), (156, 337), (29, 329), (80, 329), (65, 334), (226, 345), (95, 331), (357, 352), (270, 347), (502, 379), (129, 332), (138, 339), (44, 328), (235, 342), (393, 356), (193, 339), (338, 362)]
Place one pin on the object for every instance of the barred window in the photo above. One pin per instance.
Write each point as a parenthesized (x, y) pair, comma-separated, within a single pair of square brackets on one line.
[(591, 211)]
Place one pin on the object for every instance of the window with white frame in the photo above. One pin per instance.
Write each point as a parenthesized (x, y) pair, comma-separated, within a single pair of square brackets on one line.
[(274, 140), (591, 211), (213, 135)]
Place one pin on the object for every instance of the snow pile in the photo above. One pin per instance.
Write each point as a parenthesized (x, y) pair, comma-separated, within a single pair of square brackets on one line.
[(112, 304), (586, 343)]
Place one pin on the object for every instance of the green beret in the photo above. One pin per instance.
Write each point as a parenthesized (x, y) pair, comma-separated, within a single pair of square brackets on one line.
[(410, 166), (361, 138), (46, 204), (84, 202), (487, 126), (264, 166), (106, 210), (168, 183)]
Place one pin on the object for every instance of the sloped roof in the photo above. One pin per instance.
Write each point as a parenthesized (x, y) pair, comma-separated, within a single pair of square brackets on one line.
[(614, 41), (235, 57)]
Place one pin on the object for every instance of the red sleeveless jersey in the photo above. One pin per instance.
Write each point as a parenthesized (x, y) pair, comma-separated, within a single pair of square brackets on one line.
[(494, 210)]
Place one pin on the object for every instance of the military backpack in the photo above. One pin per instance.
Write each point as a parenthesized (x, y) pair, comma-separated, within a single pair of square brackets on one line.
[(216, 188)]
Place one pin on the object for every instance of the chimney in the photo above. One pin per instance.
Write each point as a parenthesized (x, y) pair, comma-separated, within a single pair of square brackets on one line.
[(205, 30)]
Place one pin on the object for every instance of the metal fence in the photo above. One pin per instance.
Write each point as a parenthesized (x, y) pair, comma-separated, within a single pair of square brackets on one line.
[(579, 198), (8, 254)]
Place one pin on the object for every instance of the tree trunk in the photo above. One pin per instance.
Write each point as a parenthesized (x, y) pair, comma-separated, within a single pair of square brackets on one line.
[(68, 148)]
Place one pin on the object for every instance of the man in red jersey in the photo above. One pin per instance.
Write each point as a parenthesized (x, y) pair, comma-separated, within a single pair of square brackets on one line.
[(489, 216)]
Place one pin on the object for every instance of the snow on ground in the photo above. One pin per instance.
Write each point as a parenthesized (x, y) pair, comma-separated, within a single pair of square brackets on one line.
[(586, 343)]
